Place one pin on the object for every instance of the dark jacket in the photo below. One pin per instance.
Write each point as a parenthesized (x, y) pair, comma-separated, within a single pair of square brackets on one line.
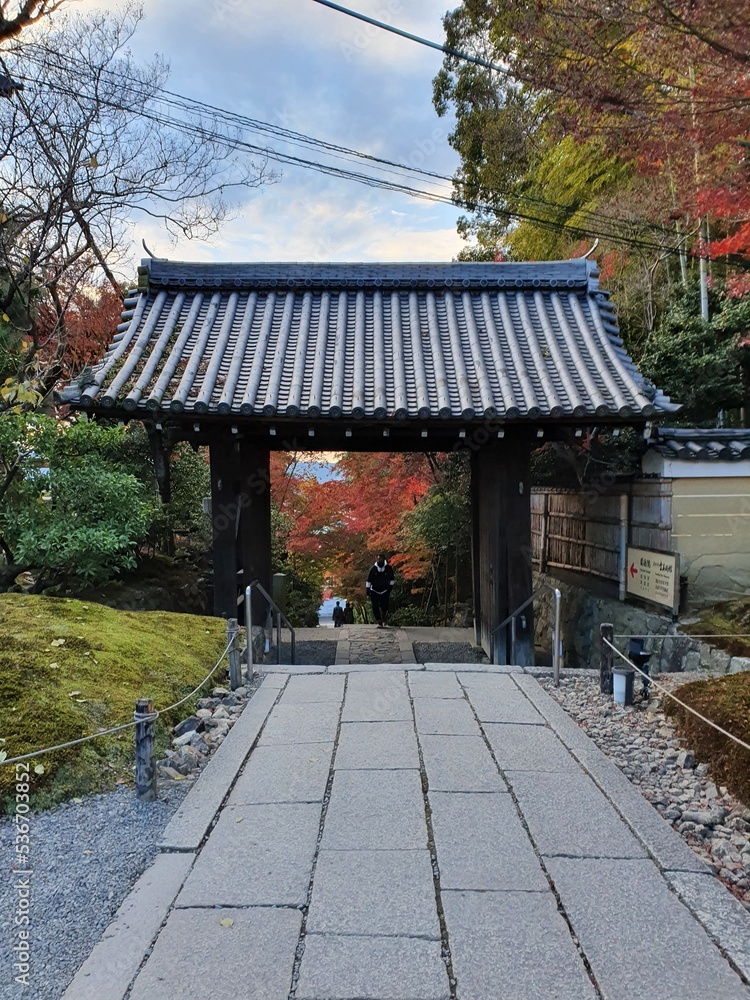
[(338, 615), (380, 580)]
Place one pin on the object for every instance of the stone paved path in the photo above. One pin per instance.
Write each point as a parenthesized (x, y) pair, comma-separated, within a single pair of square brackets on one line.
[(370, 644), (438, 834)]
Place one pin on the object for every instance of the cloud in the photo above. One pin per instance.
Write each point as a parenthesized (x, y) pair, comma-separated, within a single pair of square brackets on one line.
[(304, 67)]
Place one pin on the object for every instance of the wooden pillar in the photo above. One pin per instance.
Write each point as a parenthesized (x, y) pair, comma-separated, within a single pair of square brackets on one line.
[(224, 513), (255, 522), (476, 549), (502, 545), (519, 579)]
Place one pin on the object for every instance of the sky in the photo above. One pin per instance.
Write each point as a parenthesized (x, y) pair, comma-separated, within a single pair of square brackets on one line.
[(314, 70)]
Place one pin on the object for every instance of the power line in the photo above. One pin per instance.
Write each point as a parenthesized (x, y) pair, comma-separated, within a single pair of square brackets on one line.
[(456, 53), (188, 105), (193, 106)]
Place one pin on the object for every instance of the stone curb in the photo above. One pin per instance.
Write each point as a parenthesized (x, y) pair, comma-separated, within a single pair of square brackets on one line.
[(192, 821), (110, 968), (723, 918)]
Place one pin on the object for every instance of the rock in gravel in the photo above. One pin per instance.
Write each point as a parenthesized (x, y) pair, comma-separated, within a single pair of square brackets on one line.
[(685, 760), (188, 725)]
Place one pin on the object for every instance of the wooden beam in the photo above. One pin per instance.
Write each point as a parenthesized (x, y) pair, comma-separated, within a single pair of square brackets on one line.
[(224, 512), (255, 521)]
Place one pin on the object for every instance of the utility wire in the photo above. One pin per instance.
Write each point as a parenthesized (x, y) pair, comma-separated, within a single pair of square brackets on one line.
[(200, 130), (189, 106), (456, 53)]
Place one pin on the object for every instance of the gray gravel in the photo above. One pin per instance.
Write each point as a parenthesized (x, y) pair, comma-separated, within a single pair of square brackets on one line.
[(85, 858), (447, 652)]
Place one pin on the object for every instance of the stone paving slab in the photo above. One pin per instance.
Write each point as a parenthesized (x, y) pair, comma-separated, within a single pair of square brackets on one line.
[(641, 941), (342, 967), (111, 966), (567, 814), (444, 717), (277, 681), (481, 844), (372, 893), (435, 685), (373, 697), (301, 724), (195, 956), (528, 748), (309, 689), (256, 856), (513, 945), (297, 772), (294, 668), (375, 810), (497, 699), (378, 668), (664, 844), (724, 917), (377, 746), (190, 824), (460, 764), (560, 722), (472, 668)]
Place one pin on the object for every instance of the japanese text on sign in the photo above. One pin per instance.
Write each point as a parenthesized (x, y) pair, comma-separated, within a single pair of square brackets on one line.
[(653, 576)]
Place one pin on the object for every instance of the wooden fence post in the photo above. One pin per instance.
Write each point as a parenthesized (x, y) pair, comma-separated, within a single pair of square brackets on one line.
[(145, 759), (235, 665), (544, 534), (607, 634)]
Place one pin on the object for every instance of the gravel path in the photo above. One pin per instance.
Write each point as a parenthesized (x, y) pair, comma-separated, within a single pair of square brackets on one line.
[(322, 652), (85, 857), (644, 745)]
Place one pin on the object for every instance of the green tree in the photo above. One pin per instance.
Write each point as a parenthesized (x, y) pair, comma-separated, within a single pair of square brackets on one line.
[(704, 366)]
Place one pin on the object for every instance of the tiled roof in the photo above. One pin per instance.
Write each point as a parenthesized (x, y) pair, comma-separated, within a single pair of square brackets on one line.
[(701, 445), (376, 341)]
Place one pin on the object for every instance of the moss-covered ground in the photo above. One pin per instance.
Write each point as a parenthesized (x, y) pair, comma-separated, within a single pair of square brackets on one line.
[(726, 701), (69, 668), (729, 622)]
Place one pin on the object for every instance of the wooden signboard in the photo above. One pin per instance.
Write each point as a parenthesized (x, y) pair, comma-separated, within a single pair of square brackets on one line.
[(654, 576)]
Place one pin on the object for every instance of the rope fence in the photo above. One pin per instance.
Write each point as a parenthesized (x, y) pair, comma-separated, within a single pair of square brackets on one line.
[(682, 704), (139, 719)]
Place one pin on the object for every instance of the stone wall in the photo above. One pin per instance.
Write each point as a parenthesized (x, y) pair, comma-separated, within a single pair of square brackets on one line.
[(583, 612)]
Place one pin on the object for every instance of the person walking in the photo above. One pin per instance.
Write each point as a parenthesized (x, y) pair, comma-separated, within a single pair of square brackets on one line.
[(380, 583), (338, 615)]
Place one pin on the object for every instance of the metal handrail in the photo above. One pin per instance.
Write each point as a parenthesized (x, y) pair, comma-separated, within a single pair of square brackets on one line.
[(273, 606), (556, 631)]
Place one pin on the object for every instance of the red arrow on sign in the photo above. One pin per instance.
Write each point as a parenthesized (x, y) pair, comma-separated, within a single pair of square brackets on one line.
[(633, 570)]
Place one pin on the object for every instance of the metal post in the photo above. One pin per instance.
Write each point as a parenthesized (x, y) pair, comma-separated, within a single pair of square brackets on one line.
[(607, 635), (235, 667), (249, 631), (145, 758), (278, 637), (512, 640), (557, 637)]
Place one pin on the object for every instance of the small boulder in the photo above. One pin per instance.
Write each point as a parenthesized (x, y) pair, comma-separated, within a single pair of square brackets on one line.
[(188, 725)]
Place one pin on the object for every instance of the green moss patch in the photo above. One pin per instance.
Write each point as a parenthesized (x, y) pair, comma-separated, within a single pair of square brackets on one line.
[(726, 701), (69, 668), (729, 621)]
